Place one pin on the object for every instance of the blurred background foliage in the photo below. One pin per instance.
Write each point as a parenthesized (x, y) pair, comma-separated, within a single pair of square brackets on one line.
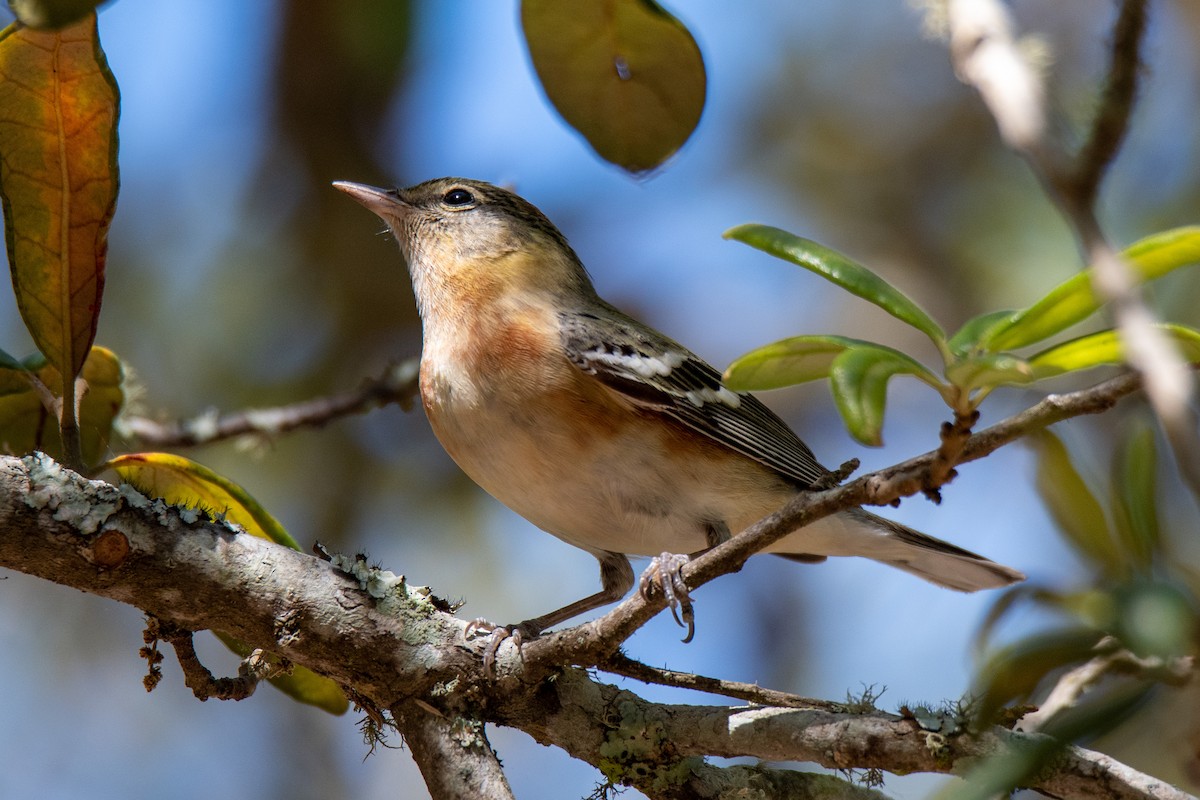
[(237, 278)]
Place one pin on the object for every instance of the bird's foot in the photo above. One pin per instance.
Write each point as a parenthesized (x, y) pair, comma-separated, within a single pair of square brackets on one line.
[(497, 634), (665, 574)]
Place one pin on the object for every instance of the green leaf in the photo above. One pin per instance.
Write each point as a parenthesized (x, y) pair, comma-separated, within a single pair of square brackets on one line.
[(624, 73), (859, 377), (183, 482), (58, 182), (1104, 348), (1134, 482), (302, 685), (1013, 672), (26, 425), (988, 371), (1098, 712), (787, 362), (843, 271), (974, 329), (1074, 507), (9, 362), (1074, 299), (1155, 619), (51, 14)]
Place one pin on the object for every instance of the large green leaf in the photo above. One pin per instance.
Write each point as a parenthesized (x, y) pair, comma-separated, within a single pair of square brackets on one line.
[(843, 271), (787, 362), (858, 378), (1104, 348), (1074, 299), (624, 73), (1074, 507)]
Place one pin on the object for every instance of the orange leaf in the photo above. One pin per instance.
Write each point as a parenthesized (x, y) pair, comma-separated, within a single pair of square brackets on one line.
[(58, 182)]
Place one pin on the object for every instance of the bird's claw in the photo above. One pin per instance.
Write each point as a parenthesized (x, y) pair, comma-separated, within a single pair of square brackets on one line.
[(497, 634), (665, 574)]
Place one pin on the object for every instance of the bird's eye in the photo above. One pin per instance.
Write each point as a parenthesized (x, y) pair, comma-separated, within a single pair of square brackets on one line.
[(458, 197)]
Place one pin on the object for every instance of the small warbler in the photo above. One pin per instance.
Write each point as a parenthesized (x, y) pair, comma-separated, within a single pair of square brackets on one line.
[(595, 427)]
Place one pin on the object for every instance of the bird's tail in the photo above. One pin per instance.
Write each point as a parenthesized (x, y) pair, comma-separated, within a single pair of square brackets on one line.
[(932, 559), (860, 533)]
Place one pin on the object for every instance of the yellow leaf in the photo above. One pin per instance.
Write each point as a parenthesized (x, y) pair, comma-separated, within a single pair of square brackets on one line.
[(182, 482), (26, 425)]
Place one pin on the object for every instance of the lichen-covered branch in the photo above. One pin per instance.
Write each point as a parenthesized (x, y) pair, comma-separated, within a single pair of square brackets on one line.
[(454, 756)]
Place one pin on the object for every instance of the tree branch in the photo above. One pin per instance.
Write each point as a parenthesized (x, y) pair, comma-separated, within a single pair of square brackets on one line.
[(1116, 103), (393, 645), (454, 756), (398, 384), (623, 665), (986, 55)]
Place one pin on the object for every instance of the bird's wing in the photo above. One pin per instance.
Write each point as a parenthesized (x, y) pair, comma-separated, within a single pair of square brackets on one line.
[(654, 372)]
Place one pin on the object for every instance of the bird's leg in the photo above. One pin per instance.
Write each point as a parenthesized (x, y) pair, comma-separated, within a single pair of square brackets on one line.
[(665, 574), (616, 578)]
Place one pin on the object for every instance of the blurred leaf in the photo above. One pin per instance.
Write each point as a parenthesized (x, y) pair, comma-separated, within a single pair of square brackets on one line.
[(843, 271), (1007, 601), (1104, 348), (183, 482), (859, 378), (1096, 714), (9, 362), (1155, 619), (1074, 299), (624, 73), (58, 181), (49, 14), (787, 362), (1075, 509), (1135, 477), (998, 776), (1013, 672), (974, 329), (26, 425), (989, 370), (303, 685)]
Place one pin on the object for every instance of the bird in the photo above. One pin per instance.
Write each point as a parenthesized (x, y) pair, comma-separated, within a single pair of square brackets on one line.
[(597, 428)]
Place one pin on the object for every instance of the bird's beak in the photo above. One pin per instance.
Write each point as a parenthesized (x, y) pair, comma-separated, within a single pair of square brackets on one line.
[(382, 202)]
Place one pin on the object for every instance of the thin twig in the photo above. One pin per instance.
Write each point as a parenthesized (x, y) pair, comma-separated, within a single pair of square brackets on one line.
[(253, 669), (621, 664), (1116, 102), (398, 384), (1112, 659), (987, 56)]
